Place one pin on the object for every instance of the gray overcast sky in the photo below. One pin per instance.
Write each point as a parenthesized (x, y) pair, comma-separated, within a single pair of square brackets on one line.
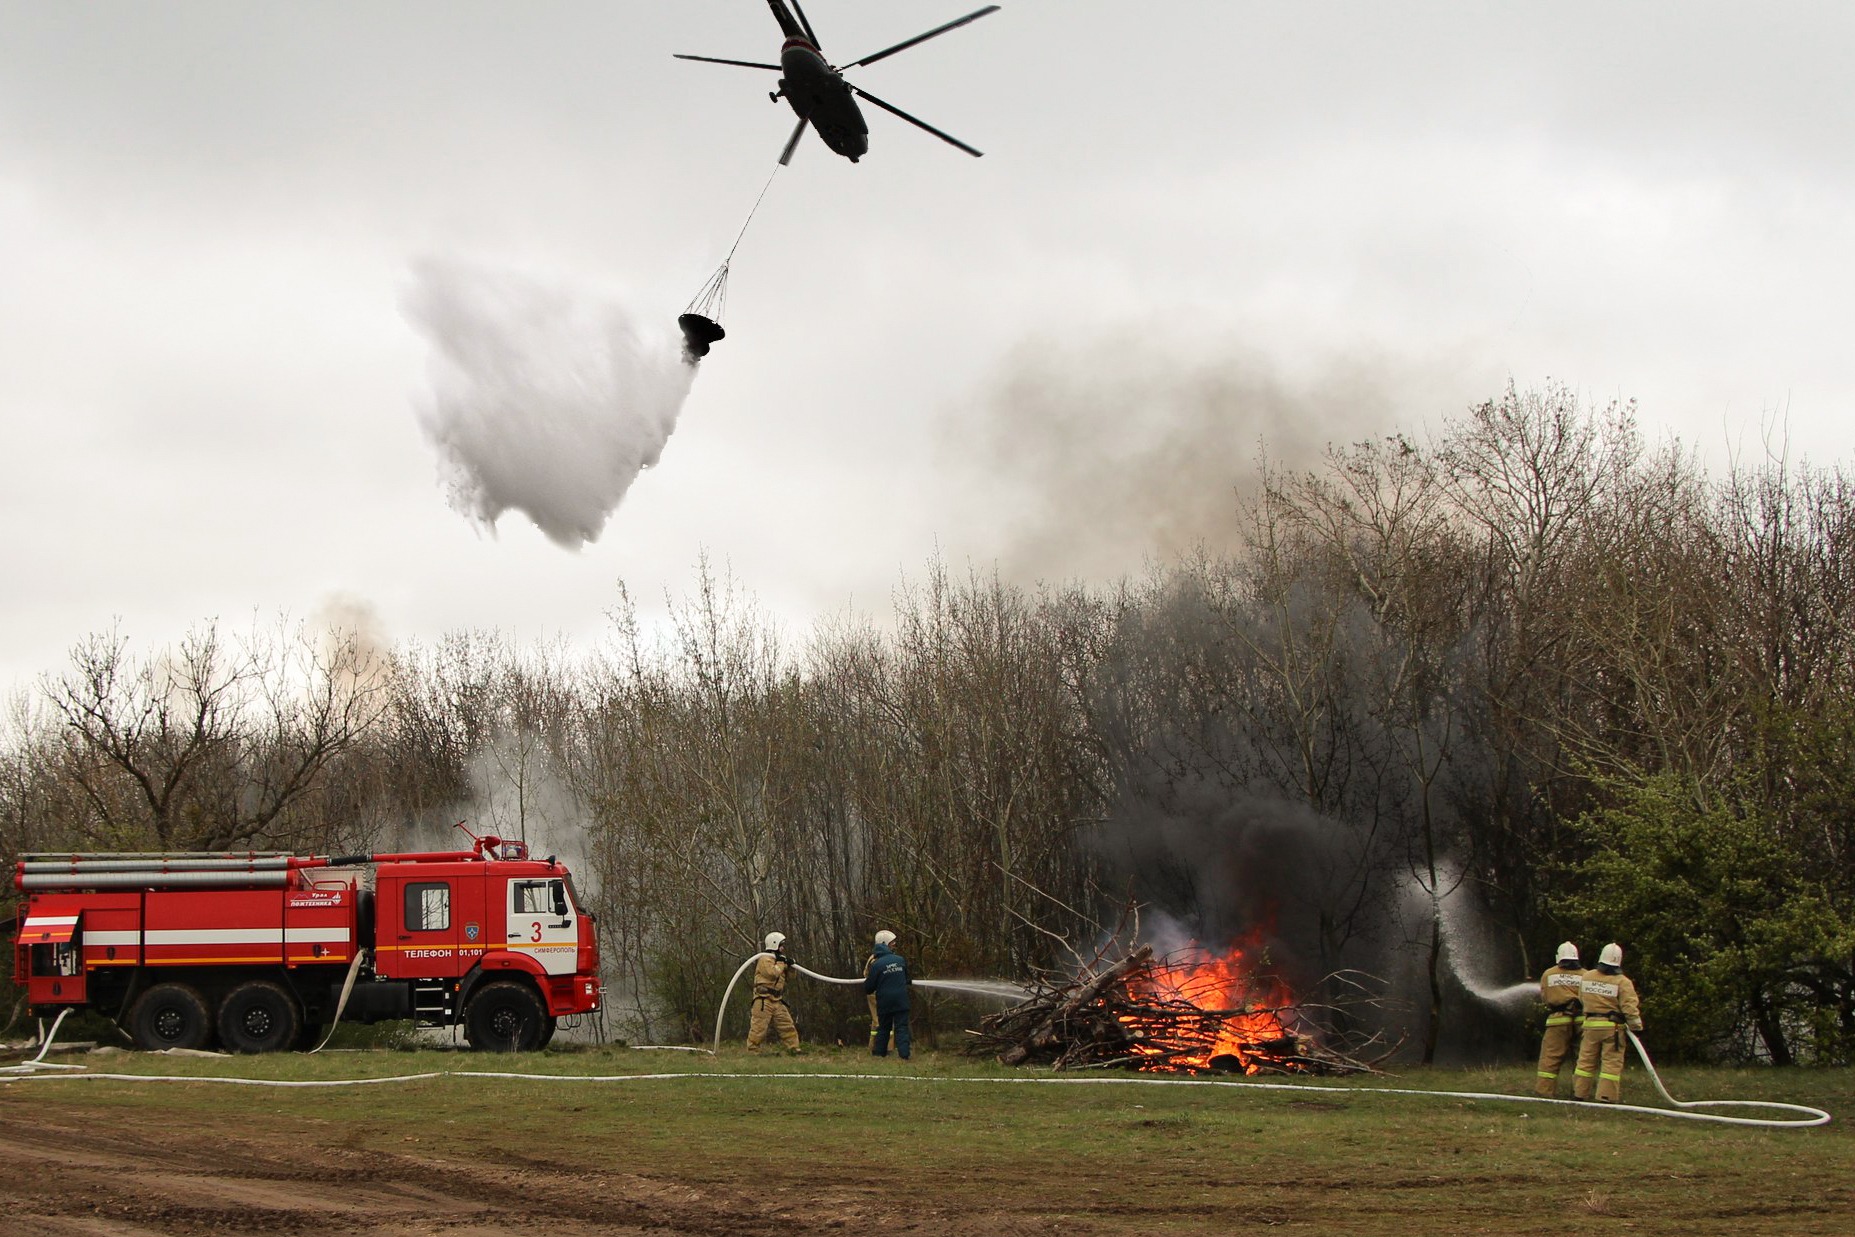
[(1198, 225)]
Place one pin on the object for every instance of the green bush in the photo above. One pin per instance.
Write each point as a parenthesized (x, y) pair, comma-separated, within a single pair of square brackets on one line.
[(1727, 930)]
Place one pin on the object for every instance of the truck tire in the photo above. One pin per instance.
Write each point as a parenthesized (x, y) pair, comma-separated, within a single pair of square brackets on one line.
[(170, 1016), (504, 1016), (258, 1016)]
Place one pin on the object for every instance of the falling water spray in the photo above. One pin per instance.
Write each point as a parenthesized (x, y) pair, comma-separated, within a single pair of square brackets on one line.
[(545, 398), (1461, 928)]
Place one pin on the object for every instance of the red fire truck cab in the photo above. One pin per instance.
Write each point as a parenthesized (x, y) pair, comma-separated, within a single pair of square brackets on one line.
[(262, 951)]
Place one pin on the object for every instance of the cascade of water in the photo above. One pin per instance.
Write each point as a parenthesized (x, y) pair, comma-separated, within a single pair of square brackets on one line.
[(1000, 989), (545, 398), (1512, 994)]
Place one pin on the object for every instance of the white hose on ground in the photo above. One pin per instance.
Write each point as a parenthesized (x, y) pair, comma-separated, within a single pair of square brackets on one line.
[(1816, 1115), (39, 1062), (1662, 1091), (1807, 1116)]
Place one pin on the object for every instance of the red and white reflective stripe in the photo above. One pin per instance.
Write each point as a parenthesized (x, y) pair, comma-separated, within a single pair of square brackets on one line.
[(103, 940), (805, 43), (245, 936), (48, 929), (222, 936), (316, 936)]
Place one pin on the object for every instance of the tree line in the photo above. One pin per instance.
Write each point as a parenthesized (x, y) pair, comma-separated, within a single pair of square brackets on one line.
[(1441, 701)]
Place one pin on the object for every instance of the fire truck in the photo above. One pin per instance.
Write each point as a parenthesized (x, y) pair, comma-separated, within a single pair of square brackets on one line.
[(261, 951)]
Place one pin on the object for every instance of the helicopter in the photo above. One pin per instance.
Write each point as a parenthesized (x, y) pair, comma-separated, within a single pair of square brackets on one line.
[(818, 93)]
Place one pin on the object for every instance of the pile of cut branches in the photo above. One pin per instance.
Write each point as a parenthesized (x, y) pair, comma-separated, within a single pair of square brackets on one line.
[(1137, 1011)]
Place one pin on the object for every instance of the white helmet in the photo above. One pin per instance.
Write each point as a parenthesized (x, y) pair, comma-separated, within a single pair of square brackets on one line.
[(885, 937), (774, 940), (1568, 952), (1612, 955)]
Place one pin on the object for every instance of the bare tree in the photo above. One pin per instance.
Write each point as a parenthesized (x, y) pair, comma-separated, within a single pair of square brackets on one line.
[(209, 746)]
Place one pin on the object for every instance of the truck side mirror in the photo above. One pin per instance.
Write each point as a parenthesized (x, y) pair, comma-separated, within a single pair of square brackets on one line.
[(560, 902)]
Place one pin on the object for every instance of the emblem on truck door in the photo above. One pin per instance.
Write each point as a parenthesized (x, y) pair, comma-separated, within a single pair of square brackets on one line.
[(470, 931)]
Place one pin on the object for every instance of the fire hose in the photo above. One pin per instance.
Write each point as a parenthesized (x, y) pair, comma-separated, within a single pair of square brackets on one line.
[(1683, 1110), (1812, 1117), (1643, 1054), (39, 1062), (341, 1003), (722, 1010), (989, 988)]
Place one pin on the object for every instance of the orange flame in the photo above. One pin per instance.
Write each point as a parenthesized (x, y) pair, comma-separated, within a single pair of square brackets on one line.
[(1217, 1006)]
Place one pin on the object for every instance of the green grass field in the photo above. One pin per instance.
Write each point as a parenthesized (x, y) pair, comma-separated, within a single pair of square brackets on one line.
[(953, 1155)]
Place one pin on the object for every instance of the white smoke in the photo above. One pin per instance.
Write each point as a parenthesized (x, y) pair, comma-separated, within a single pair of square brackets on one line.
[(545, 399)]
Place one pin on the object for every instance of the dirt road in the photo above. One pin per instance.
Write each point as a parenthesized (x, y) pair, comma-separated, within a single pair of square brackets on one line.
[(119, 1173), (437, 1155)]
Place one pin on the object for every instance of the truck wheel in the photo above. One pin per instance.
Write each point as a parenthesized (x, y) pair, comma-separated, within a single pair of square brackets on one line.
[(547, 1031), (259, 1016), (504, 1016), (170, 1016)]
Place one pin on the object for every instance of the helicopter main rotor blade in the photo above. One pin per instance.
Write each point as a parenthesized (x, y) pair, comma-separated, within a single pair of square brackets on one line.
[(922, 38), (745, 64), (917, 122), (800, 10), (792, 143)]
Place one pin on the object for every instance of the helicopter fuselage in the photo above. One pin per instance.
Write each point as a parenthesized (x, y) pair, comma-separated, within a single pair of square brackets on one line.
[(818, 93)]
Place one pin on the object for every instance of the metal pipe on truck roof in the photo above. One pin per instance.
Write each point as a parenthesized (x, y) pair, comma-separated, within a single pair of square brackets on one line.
[(62, 856), (153, 880), (268, 864)]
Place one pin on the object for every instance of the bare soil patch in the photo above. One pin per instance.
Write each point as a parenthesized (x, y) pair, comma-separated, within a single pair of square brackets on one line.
[(458, 1157)]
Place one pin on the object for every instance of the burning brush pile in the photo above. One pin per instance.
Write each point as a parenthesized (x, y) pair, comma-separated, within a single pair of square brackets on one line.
[(1184, 1013)]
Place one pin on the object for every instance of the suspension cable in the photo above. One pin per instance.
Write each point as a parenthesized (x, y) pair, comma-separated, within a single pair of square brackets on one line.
[(752, 211)]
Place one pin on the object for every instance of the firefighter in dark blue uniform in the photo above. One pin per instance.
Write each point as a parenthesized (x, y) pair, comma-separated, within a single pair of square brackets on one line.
[(887, 979)]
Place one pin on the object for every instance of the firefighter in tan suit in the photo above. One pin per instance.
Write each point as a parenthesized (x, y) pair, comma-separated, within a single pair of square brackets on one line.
[(1561, 988), (1610, 1005), (770, 1012)]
